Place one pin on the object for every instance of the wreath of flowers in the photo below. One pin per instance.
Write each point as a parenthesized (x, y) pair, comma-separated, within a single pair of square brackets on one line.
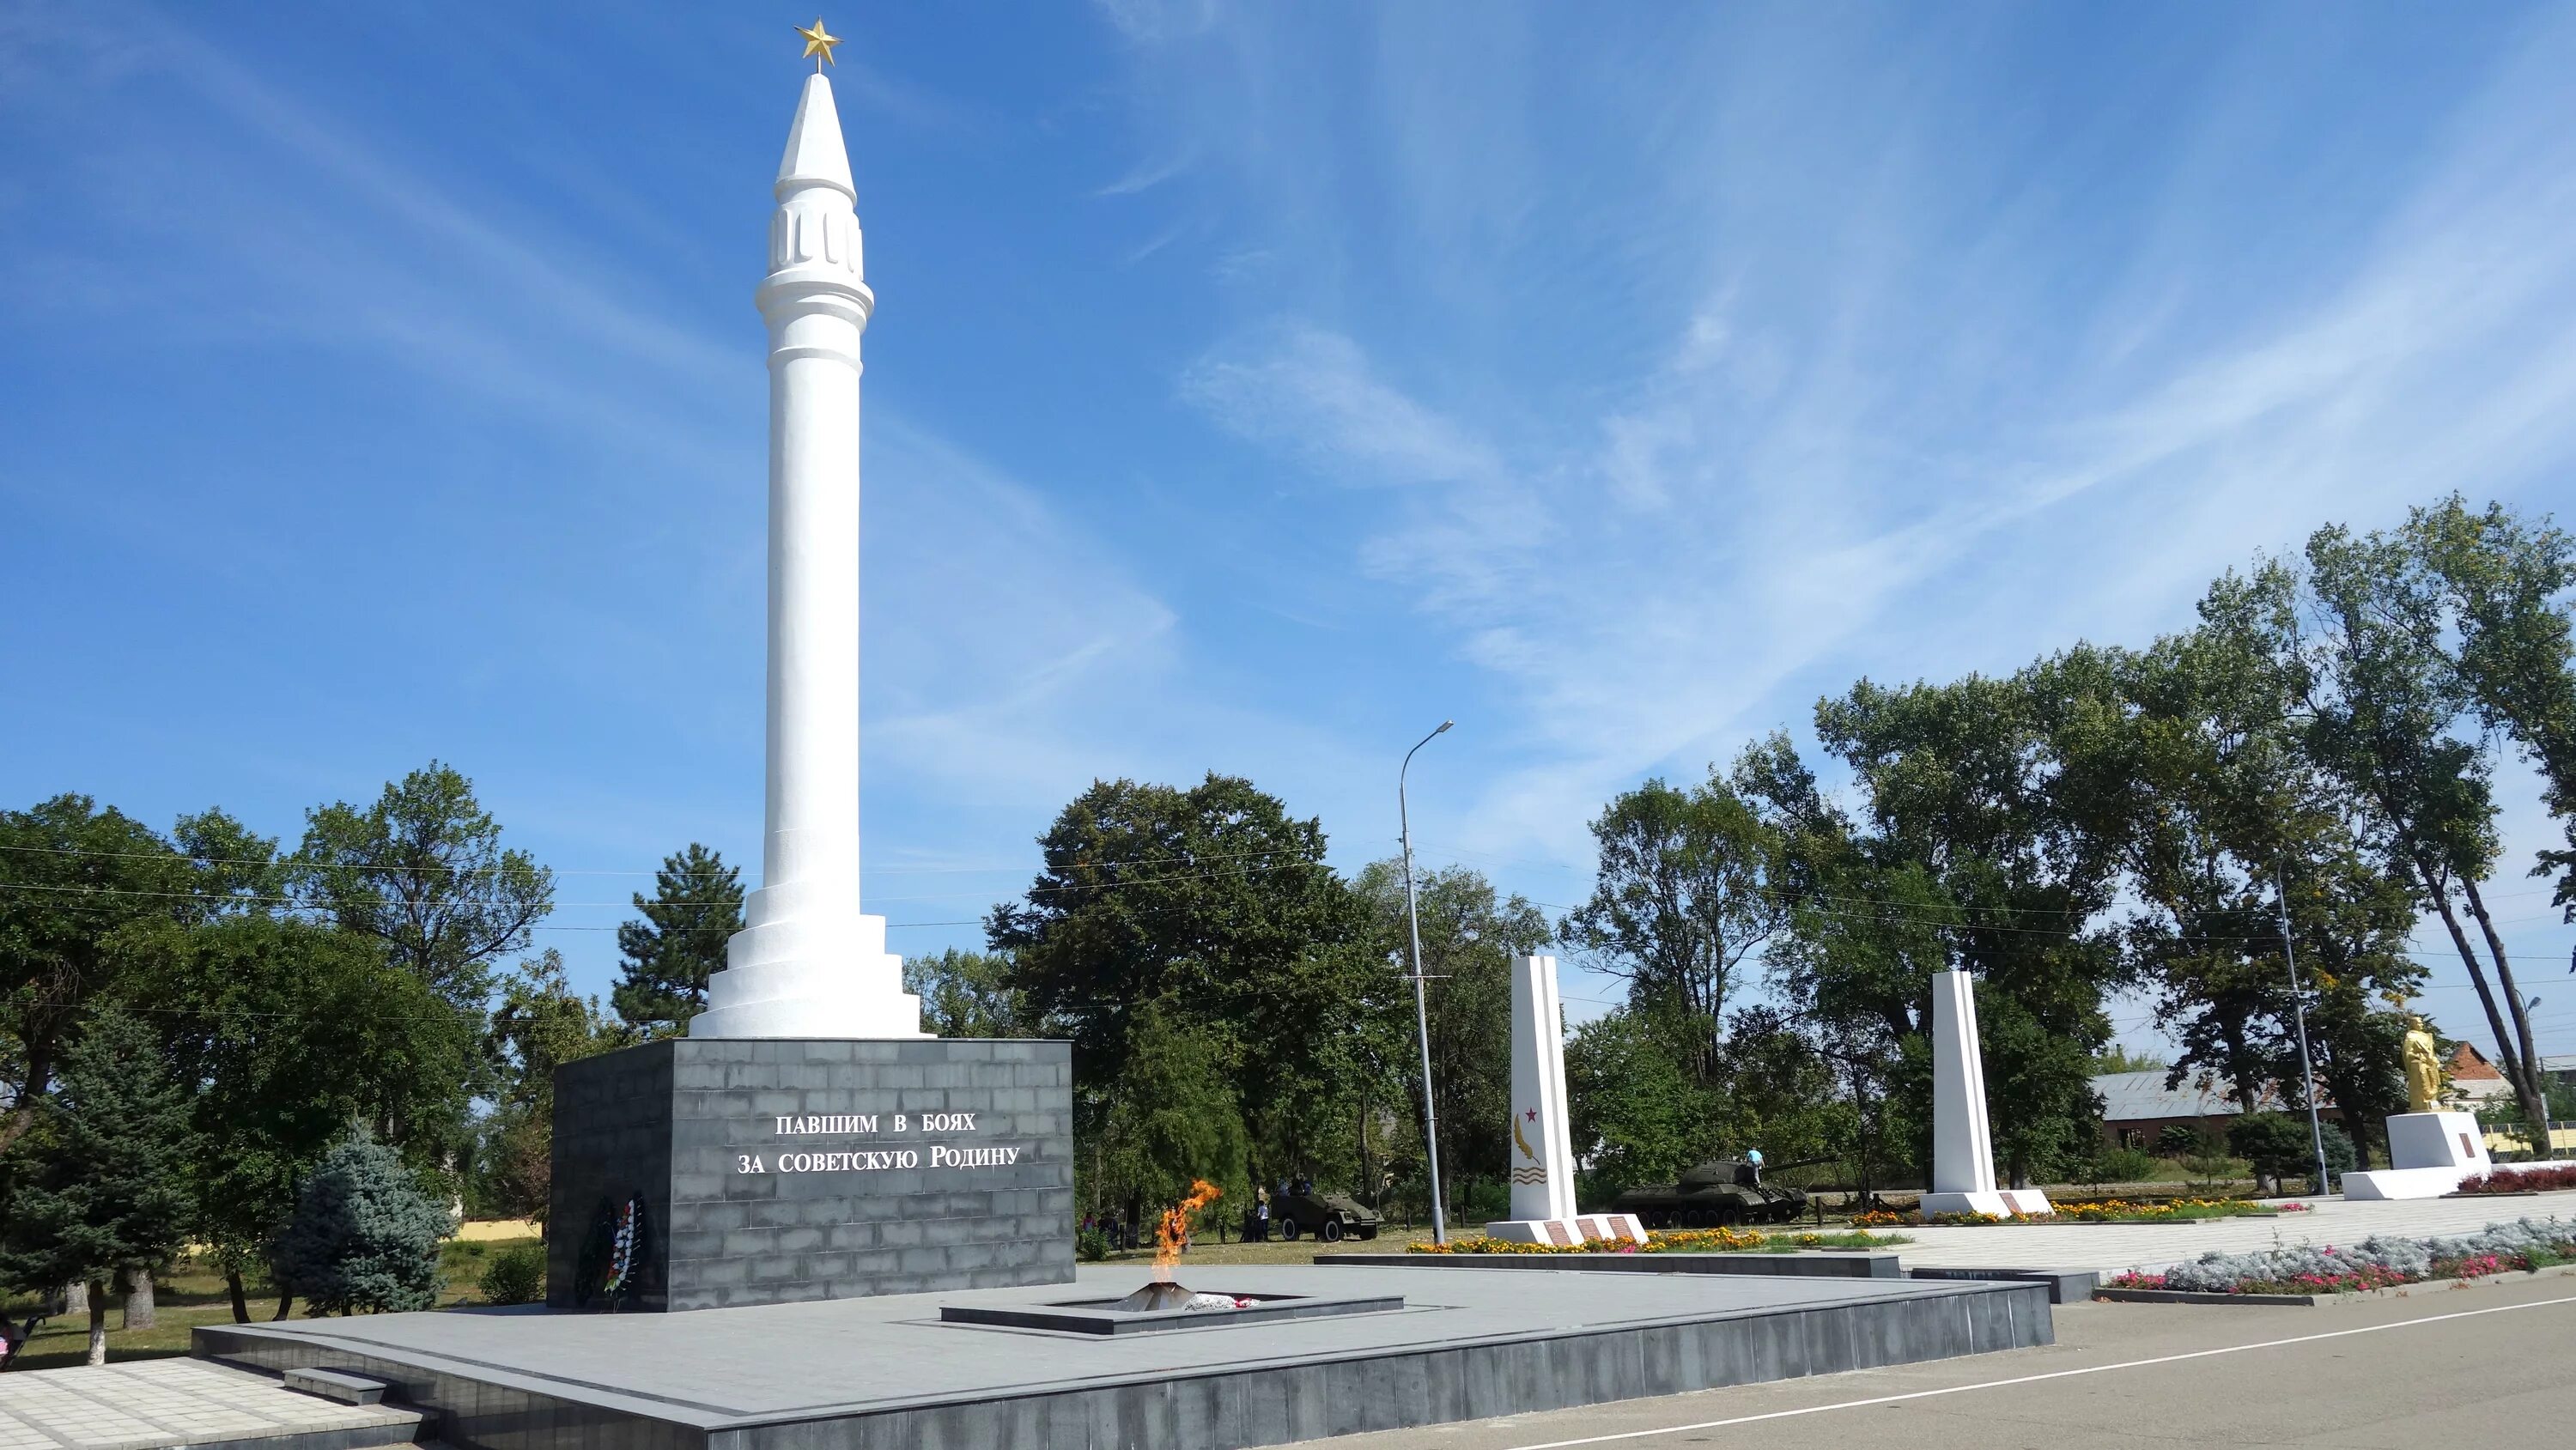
[(621, 1249)]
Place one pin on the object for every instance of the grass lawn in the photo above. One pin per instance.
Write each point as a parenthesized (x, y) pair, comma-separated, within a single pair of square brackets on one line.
[(194, 1295)]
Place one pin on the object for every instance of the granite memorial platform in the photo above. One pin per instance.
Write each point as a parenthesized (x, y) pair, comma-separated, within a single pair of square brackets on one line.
[(700, 1173), (886, 1373)]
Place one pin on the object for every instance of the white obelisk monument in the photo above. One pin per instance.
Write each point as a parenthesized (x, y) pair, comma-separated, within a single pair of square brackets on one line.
[(1541, 1151), (810, 964), (1963, 1140)]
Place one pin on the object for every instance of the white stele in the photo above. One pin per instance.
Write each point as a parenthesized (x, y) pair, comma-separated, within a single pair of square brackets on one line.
[(1963, 1140), (1540, 1150), (809, 964), (2429, 1154)]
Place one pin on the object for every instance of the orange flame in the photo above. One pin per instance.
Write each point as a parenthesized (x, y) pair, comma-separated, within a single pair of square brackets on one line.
[(1175, 1227)]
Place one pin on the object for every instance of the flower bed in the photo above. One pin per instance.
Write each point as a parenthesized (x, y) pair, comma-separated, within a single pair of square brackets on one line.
[(2529, 1180), (2102, 1210), (2378, 1262), (2168, 1210), (1672, 1241)]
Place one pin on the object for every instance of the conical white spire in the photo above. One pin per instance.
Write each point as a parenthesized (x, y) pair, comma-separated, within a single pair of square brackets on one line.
[(815, 154), (808, 962)]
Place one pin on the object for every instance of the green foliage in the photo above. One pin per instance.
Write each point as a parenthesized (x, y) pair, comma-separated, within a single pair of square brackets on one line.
[(516, 1275), (80, 888), (1172, 1116), (2279, 1144), (966, 994), (1976, 853), (424, 872), (1682, 893), (666, 958), (2118, 1058), (2175, 1140), (2406, 650), (1090, 1245), (1213, 908), (2122, 1165), (540, 1024), (104, 1191), (1633, 1104), (292, 1031), (1469, 937), (2506, 586), (364, 1238)]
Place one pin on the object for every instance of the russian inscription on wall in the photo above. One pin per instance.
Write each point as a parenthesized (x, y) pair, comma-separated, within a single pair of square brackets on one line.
[(776, 1170)]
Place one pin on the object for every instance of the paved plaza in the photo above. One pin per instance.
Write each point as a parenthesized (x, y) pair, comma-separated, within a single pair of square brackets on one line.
[(886, 1371), (2449, 1366), (164, 1402), (2112, 1247)]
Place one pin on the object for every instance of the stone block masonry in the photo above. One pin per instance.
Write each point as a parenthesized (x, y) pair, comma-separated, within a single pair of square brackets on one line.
[(766, 1171)]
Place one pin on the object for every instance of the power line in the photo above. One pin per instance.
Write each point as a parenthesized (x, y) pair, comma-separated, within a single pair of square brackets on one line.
[(287, 861), (1875, 918)]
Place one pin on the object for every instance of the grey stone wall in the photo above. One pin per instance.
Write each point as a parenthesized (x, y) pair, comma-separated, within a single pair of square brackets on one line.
[(739, 1212)]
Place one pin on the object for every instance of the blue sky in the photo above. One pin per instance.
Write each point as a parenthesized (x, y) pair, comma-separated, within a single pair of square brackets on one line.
[(1250, 388)]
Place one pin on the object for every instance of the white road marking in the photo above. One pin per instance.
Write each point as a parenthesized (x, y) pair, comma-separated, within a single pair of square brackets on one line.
[(2030, 1379)]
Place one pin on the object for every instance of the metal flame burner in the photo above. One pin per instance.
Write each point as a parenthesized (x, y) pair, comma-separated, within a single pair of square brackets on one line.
[(1160, 1308), (1154, 1296)]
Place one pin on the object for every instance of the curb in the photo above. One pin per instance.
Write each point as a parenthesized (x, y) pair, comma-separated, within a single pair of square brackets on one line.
[(2401, 1291)]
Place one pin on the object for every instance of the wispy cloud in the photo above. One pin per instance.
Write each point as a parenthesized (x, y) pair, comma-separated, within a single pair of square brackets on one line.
[(1894, 447)]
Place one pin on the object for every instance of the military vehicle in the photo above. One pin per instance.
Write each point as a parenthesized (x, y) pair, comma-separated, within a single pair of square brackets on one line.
[(1328, 1216), (1718, 1193)]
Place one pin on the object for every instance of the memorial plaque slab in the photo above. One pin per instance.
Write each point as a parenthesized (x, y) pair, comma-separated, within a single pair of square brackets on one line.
[(703, 1173)]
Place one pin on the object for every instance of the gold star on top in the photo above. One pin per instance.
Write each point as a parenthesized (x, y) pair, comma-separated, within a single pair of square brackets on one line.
[(818, 42)]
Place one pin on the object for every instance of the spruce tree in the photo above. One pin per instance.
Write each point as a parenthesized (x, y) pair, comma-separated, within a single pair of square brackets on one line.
[(105, 1191), (364, 1238), (668, 956)]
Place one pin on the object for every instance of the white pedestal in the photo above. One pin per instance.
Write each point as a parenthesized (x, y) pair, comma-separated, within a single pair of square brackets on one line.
[(781, 985), (2429, 1155), (1976, 1201), (1583, 1228), (2001, 1202)]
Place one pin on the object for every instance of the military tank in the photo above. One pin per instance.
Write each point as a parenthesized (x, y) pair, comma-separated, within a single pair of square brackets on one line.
[(1719, 1193)]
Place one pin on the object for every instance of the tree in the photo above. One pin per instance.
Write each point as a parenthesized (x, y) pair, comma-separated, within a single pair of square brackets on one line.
[(1866, 930), (364, 1238), (1682, 894), (2372, 643), (966, 994), (289, 1032), (1634, 1113), (78, 887), (2278, 1144), (1217, 904), (540, 1024), (668, 956), (423, 871), (2196, 777), (2120, 1058), (1469, 937), (106, 1195), (1171, 1117), (2507, 584), (1977, 837)]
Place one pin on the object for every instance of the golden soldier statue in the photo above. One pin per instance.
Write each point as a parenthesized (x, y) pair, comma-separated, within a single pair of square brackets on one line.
[(2423, 1063)]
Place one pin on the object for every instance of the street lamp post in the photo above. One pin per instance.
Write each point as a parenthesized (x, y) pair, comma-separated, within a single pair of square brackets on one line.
[(1421, 1012), (2299, 1010)]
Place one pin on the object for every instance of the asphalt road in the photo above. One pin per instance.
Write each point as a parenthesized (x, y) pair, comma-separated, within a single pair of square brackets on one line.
[(2478, 1365)]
